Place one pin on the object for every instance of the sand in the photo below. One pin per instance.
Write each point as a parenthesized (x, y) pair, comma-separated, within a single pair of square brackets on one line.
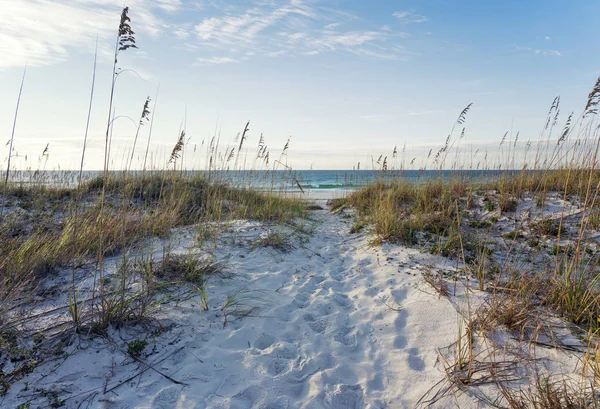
[(334, 323)]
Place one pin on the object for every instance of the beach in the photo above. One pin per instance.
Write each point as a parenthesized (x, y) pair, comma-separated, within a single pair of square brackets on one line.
[(304, 314), (334, 323)]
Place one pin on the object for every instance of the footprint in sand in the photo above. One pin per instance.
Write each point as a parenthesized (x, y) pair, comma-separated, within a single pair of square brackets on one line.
[(279, 366), (249, 397), (304, 369), (347, 336), (400, 342), (415, 362), (333, 285), (400, 295), (284, 350), (376, 383), (302, 300), (264, 341), (283, 313), (312, 284), (338, 275), (317, 325), (344, 397), (342, 300), (400, 321)]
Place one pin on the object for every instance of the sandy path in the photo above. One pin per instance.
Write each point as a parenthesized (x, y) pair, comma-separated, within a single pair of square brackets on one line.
[(327, 340), (328, 337)]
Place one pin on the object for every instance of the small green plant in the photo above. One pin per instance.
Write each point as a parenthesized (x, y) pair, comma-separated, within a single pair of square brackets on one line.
[(507, 204), (200, 289), (38, 338), (513, 235), (136, 347), (243, 303), (276, 240), (189, 268), (480, 224), (546, 227), (480, 267), (540, 199), (533, 243), (357, 226), (54, 400), (463, 368)]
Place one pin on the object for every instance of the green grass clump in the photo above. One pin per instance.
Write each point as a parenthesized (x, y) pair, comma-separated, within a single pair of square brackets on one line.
[(276, 240), (399, 210), (136, 347), (546, 227)]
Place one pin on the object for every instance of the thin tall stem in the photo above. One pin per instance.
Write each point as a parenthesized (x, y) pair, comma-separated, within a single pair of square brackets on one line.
[(87, 124), (150, 131), (12, 138)]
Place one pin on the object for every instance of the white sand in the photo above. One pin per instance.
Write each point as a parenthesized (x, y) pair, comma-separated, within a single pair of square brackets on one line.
[(324, 335)]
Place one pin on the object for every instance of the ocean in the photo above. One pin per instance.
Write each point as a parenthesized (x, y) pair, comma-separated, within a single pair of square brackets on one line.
[(300, 181)]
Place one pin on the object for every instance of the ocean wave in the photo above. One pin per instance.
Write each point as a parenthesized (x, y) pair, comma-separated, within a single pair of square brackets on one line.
[(329, 186)]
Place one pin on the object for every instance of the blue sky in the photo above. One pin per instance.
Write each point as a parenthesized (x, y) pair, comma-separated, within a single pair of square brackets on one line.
[(346, 79)]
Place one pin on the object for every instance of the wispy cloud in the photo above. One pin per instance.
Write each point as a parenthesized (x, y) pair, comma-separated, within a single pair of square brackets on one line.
[(247, 26), (216, 60), (41, 32), (409, 17), (373, 117), (296, 27), (348, 39), (554, 53), (545, 52)]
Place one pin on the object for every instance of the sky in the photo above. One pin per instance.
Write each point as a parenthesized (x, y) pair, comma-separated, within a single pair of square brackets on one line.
[(344, 80)]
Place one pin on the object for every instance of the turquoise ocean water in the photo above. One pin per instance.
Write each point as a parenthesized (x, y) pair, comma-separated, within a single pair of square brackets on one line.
[(288, 180)]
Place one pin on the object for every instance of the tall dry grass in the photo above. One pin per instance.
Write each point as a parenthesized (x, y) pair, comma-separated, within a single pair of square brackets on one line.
[(54, 224), (456, 213)]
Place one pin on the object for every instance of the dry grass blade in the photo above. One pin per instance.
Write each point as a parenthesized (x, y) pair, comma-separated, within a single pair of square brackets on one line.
[(126, 37), (176, 152), (437, 283), (546, 393), (463, 114), (593, 100)]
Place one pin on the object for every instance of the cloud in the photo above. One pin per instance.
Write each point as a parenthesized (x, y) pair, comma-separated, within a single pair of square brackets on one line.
[(373, 117), (348, 39), (169, 6), (216, 60), (247, 26), (537, 51), (297, 27), (182, 33), (553, 53), (41, 32), (409, 17)]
